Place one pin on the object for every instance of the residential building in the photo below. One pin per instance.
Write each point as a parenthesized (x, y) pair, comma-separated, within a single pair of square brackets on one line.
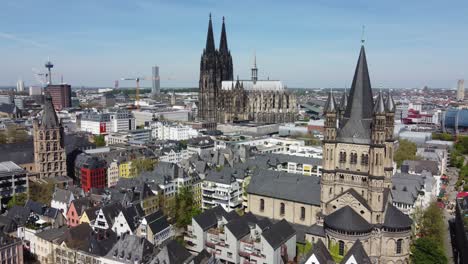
[(410, 191), (129, 249), (171, 131), (126, 221), (106, 122), (106, 215), (223, 188), (174, 156), (200, 145), (10, 111), (241, 239), (92, 172), (61, 200), (49, 150), (139, 135), (42, 245), (13, 180), (76, 209), (459, 230), (155, 228), (60, 94), (11, 249), (107, 100)]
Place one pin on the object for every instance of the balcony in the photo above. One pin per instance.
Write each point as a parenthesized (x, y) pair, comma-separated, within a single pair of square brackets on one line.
[(220, 196)]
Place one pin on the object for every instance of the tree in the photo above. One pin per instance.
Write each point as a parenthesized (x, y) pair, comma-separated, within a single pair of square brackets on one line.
[(432, 223), (99, 140), (16, 133), (405, 151), (17, 199), (141, 165), (427, 251), (41, 192), (185, 206)]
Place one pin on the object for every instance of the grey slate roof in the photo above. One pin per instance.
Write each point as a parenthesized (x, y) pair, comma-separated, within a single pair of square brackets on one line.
[(9, 108), (390, 103), (347, 219), (279, 233), (394, 218), (357, 196), (159, 225), (358, 115), (53, 234), (130, 249), (379, 106), (357, 251), (344, 101), (320, 251), (49, 117), (61, 195), (172, 253), (316, 230), (208, 218), (406, 187), (287, 186)]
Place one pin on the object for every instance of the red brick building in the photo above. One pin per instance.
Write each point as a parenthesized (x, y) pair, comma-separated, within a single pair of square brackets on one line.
[(61, 95), (93, 173)]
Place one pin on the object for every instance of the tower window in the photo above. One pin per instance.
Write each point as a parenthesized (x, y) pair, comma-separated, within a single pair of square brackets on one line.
[(262, 205), (282, 209), (341, 248), (365, 159), (399, 246), (353, 158), (302, 213)]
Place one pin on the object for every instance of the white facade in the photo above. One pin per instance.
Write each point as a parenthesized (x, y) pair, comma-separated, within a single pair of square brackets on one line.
[(112, 173), (103, 123), (20, 86), (461, 90), (175, 157), (35, 90), (121, 226), (229, 196), (142, 135), (166, 131)]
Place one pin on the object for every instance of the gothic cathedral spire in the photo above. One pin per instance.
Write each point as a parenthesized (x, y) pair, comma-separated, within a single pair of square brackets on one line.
[(210, 45), (223, 45)]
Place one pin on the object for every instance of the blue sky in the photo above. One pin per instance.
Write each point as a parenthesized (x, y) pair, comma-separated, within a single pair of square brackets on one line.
[(303, 43)]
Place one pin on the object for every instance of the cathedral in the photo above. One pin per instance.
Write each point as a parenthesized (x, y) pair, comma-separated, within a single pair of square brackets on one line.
[(49, 150), (358, 149), (223, 100)]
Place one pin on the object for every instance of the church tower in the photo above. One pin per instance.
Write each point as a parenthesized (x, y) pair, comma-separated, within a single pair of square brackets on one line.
[(225, 59), (49, 148), (355, 196), (210, 79)]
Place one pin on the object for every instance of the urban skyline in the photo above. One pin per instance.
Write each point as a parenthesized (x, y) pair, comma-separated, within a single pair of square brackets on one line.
[(305, 45)]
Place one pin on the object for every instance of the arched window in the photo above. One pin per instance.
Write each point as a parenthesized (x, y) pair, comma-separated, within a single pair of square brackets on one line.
[(302, 212), (342, 157), (341, 248), (353, 158), (399, 246), (262, 205), (47, 135), (330, 192), (378, 218), (47, 146), (282, 209), (365, 159)]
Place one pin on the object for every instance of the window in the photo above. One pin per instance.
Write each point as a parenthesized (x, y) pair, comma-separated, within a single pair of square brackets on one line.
[(341, 248), (342, 157), (302, 212), (229, 254), (282, 209), (365, 159), (398, 246), (353, 158), (262, 205)]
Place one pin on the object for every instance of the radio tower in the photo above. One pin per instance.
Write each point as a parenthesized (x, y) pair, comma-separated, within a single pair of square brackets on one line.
[(49, 66)]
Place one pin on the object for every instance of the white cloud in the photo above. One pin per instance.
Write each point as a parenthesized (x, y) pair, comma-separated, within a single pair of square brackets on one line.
[(22, 40)]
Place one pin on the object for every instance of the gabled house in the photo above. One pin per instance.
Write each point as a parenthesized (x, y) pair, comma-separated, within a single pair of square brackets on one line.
[(126, 221), (76, 210), (105, 218), (318, 255), (89, 215), (155, 228), (61, 200)]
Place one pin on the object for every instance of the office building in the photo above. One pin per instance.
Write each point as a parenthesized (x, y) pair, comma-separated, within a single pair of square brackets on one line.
[(97, 123), (461, 90), (35, 90), (13, 178), (20, 86), (155, 88), (61, 95)]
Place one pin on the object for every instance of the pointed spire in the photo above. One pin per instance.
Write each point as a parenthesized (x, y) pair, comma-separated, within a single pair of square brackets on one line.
[(223, 45), (389, 103), (330, 105), (344, 100), (379, 106), (210, 45), (49, 117), (360, 102)]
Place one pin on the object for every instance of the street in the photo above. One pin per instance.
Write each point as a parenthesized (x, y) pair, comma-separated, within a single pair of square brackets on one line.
[(451, 193)]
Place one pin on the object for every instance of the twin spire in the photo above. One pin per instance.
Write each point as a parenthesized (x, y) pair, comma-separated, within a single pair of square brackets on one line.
[(210, 44)]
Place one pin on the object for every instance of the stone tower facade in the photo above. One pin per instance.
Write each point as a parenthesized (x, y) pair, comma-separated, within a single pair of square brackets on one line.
[(356, 200), (49, 149), (215, 66)]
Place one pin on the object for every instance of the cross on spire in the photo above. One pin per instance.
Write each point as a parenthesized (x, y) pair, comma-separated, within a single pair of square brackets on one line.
[(362, 34)]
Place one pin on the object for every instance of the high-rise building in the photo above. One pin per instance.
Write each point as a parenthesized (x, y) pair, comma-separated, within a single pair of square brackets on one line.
[(461, 90), (49, 149), (155, 89), (20, 86), (356, 197), (35, 90), (61, 95)]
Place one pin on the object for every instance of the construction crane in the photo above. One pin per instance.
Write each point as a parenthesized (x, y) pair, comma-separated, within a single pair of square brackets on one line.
[(137, 80), (137, 95)]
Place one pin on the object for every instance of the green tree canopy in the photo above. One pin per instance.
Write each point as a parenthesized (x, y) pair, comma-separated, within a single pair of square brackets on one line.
[(17, 199), (427, 251), (185, 207), (406, 151), (99, 140), (432, 223), (141, 165)]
